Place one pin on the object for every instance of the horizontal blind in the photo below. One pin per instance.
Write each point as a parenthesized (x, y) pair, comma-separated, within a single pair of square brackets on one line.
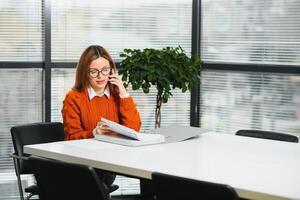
[(117, 25), (176, 111), (247, 100), (21, 94), (62, 80), (251, 31), (21, 30)]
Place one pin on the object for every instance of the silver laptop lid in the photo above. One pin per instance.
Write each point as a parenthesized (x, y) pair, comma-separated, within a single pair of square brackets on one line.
[(175, 133)]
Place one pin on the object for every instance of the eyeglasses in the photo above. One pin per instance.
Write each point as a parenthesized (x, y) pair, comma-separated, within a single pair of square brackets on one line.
[(94, 73)]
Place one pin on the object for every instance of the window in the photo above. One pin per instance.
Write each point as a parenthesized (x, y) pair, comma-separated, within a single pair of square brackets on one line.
[(250, 33), (21, 30), (20, 103), (21, 90), (247, 100), (117, 25)]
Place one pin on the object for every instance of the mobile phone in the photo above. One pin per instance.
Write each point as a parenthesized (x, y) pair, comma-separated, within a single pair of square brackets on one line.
[(110, 73)]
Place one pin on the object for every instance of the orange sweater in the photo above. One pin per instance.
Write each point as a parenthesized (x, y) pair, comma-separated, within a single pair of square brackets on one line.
[(81, 115)]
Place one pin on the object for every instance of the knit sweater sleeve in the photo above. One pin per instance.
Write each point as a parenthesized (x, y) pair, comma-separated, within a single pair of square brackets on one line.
[(71, 118), (129, 115)]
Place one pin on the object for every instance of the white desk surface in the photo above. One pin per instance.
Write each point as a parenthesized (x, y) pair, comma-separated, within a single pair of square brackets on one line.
[(256, 168)]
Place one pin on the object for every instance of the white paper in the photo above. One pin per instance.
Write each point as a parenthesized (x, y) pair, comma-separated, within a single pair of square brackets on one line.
[(128, 136)]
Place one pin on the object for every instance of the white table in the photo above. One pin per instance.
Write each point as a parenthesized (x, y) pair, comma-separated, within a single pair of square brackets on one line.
[(256, 168)]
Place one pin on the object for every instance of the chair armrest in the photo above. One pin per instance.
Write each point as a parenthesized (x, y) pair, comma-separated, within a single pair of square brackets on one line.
[(15, 156), (112, 188)]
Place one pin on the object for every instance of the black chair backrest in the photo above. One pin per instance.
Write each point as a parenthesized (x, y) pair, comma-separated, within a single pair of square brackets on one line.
[(268, 135), (60, 180), (34, 133), (175, 188)]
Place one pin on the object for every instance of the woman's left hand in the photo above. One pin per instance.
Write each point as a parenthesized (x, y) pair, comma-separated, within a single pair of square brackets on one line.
[(116, 80), (103, 129)]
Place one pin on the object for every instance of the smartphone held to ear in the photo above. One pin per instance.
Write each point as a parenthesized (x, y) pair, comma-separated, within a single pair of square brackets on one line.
[(110, 73)]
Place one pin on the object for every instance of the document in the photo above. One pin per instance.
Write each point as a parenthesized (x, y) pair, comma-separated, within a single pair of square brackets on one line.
[(128, 136)]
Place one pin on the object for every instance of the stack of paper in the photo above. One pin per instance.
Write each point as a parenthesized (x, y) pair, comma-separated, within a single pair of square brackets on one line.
[(128, 136)]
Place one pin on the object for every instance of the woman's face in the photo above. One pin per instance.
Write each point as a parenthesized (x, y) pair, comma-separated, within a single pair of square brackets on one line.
[(99, 74)]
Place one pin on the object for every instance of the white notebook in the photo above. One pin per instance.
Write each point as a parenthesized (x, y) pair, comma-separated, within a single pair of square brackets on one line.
[(128, 136)]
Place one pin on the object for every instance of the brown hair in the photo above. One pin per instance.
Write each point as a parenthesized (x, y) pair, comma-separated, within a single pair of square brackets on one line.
[(82, 72)]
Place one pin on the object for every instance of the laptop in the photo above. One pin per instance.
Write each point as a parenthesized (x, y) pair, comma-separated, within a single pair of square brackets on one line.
[(176, 133)]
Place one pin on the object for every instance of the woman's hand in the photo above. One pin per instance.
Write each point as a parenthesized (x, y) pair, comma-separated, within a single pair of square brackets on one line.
[(116, 80), (102, 129)]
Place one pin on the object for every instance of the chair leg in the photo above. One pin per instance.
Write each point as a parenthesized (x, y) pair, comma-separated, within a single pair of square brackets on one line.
[(18, 179)]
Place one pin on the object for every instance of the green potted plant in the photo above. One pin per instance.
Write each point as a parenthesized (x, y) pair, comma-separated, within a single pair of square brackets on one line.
[(166, 69)]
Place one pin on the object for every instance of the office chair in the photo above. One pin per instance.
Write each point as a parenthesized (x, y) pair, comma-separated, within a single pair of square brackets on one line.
[(27, 134), (268, 135), (178, 188), (60, 180)]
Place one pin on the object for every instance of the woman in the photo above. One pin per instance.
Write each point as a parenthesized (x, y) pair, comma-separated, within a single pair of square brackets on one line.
[(98, 92)]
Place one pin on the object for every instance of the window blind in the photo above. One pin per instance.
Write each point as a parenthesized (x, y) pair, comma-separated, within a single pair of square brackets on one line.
[(176, 111), (21, 94), (247, 100), (251, 31), (117, 25), (247, 32), (21, 30)]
